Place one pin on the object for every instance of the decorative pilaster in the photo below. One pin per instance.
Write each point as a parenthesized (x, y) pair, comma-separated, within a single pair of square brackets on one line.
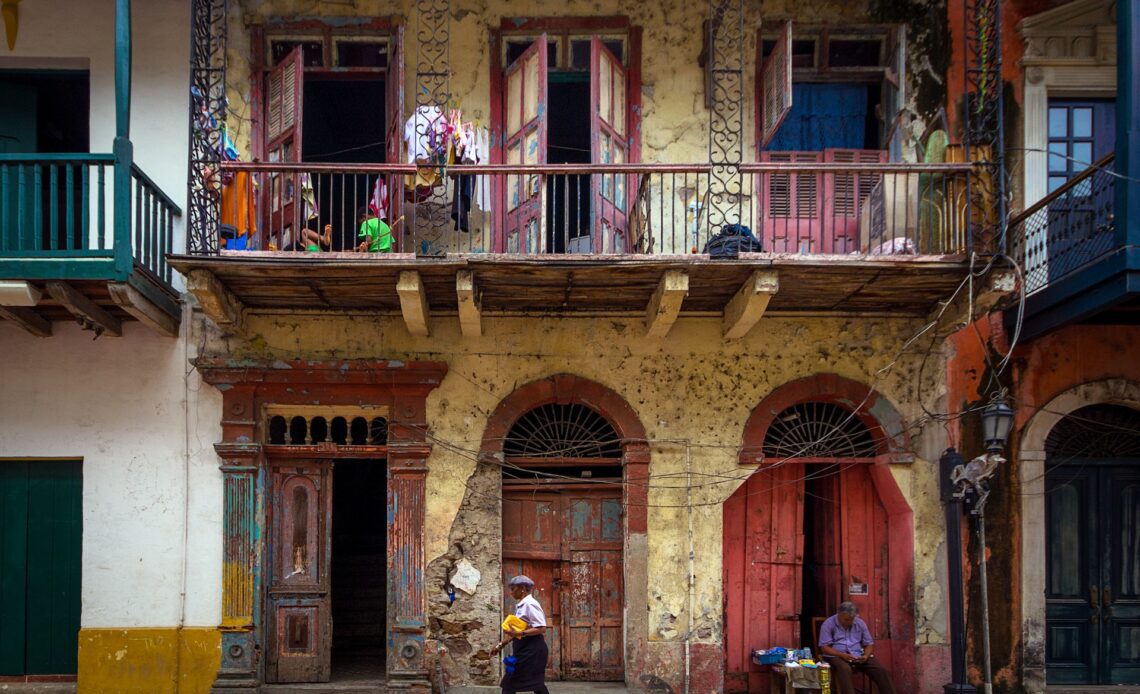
[(241, 562), (407, 622)]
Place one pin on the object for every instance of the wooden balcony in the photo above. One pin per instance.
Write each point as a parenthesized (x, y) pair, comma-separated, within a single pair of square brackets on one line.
[(849, 239), (1078, 265), (82, 241)]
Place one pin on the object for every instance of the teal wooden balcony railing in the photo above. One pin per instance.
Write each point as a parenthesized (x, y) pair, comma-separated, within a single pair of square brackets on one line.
[(58, 220)]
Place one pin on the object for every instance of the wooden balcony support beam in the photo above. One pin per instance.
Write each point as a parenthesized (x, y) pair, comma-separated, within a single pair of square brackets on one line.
[(470, 301), (27, 319), (665, 304), (414, 303), (85, 309), (219, 305), (146, 311), (747, 306)]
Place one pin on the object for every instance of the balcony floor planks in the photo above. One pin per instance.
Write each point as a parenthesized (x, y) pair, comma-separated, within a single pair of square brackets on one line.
[(581, 284)]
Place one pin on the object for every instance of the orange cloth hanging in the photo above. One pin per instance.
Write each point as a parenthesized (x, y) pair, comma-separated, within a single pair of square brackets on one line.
[(238, 208)]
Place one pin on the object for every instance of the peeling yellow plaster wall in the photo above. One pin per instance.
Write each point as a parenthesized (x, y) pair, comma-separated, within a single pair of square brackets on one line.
[(692, 391), (675, 120)]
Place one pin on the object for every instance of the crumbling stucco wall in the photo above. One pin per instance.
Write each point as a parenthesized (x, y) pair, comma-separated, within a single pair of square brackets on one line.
[(693, 392), (674, 118)]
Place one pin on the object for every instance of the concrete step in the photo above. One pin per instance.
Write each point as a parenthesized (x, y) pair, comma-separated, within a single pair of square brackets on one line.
[(362, 687), (1092, 689)]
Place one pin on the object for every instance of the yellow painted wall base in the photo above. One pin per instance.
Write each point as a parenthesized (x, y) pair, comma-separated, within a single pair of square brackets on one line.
[(148, 661)]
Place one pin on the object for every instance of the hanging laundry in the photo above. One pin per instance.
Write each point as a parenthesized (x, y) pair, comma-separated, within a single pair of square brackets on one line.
[(309, 208), (378, 204), (481, 154), (238, 211), (424, 132)]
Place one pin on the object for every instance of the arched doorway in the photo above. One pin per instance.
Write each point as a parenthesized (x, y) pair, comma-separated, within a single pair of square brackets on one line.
[(574, 462), (1092, 541), (820, 521)]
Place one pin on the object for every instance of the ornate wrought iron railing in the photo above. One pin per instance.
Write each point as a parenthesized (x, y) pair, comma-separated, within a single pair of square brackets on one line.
[(61, 205), (794, 208), (1068, 228)]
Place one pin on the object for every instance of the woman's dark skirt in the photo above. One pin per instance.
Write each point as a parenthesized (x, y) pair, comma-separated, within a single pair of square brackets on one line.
[(531, 655)]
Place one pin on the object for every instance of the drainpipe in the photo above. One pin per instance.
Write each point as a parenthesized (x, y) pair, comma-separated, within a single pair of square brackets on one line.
[(957, 622)]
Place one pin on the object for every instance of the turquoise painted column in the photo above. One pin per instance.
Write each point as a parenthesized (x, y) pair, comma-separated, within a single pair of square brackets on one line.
[(1127, 123), (122, 148)]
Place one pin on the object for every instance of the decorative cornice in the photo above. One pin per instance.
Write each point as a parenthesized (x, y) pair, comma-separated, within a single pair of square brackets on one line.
[(222, 371)]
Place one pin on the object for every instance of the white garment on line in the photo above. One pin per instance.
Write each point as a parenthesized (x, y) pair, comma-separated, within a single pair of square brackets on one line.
[(418, 130), (481, 154)]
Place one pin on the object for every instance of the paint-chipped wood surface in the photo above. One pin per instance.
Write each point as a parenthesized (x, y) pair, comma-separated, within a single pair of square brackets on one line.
[(581, 284)]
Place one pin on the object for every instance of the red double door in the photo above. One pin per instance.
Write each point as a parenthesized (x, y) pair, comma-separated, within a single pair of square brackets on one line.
[(848, 558), (570, 543)]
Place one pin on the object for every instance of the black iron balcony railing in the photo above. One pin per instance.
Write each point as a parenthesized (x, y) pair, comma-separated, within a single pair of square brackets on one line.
[(650, 209), (1067, 229)]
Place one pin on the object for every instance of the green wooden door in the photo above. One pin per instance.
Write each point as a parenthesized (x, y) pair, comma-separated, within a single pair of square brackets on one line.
[(1093, 573), (17, 136), (41, 531)]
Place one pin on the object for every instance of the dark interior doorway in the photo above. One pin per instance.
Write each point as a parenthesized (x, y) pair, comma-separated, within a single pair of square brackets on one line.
[(568, 209), (359, 569), (43, 111), (343, 123), (822, 567)]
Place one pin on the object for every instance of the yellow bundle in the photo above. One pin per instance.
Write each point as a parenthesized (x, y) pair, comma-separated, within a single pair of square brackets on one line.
[(513, 622)]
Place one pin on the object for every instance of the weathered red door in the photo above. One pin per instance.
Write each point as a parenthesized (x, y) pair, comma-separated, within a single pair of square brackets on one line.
[(284, 95), (764, 553), (608, 115), (299, 606), (763, 563), (592, 586), (394, 105), (570, 543), (525, 143), (532, 546)]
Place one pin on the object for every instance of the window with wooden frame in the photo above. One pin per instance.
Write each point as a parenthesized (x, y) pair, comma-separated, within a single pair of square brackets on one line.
[(872, 55)]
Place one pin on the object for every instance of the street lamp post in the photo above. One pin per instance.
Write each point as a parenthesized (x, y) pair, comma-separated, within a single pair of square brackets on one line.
[(950, 460), (973, 479)]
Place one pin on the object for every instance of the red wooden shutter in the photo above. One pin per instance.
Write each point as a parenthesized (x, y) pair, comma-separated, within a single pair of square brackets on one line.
[(608, 104), (776, 86), (394, 105), (283, 110), (845, 195), (525, 143), (790, 217)]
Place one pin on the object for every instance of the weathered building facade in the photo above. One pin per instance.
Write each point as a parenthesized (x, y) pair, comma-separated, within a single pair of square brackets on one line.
[(555, 371), (1064, 504)]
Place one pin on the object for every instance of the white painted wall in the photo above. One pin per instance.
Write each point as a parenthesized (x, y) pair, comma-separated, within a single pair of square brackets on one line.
[(144, 424), (68, 34)]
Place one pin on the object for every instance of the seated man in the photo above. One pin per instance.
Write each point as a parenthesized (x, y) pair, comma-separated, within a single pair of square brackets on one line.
[(847, 644)]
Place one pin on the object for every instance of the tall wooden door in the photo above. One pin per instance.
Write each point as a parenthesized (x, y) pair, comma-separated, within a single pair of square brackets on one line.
[(763, 564), (570, 543), (299, 604), (284, 96), (608, 114), (1092, 574), (525, 138), (41, 529)]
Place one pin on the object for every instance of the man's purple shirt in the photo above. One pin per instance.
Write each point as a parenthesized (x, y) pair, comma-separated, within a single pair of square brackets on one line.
[(852, 640)]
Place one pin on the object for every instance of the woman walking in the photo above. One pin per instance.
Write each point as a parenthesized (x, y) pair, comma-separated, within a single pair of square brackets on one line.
[(530, 651)]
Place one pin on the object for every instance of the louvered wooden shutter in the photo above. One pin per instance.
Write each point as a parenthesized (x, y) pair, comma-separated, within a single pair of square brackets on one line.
[(850, 190), (776, 86)]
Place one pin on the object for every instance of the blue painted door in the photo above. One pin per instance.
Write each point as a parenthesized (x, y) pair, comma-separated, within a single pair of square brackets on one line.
[(824, 116)]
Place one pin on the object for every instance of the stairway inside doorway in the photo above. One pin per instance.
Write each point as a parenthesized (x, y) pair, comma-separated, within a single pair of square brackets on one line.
[(359, 570)]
